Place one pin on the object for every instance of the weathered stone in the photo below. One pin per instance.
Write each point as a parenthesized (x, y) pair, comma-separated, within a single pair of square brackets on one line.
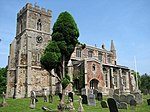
[(133, 104), (138, 98), (111, 92), (83, 91), (123, 98), (99, 96), (112, 105), (130, 97), (80, 109), (104, 104), (84, 99), (117, 91), (91, 100), (116, 97), (123, 105)]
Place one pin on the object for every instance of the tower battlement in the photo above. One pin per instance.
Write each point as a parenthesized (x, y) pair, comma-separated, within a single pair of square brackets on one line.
[(34, 8)]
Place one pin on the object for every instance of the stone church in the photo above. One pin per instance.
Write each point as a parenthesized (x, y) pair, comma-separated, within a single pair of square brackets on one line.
[(89, 67)]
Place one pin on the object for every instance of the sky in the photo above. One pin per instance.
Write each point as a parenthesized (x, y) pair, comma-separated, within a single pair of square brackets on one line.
[(126, 22)]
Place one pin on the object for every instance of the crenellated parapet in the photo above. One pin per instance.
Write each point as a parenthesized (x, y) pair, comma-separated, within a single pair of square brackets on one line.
[(34, 8)]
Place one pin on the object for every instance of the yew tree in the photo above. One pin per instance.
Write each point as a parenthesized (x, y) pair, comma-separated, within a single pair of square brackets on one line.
[(64, 39)]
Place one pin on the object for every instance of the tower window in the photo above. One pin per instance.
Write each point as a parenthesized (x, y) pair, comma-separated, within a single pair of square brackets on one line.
[(39, 25)]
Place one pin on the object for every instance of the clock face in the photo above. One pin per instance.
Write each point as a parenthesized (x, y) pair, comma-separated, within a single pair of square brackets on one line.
[(39, 39)]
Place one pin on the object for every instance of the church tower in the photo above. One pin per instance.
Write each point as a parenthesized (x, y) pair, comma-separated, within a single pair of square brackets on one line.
[(32, 36)]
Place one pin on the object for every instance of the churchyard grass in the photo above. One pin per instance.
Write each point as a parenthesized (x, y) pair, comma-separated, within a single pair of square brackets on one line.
[(22, 105)]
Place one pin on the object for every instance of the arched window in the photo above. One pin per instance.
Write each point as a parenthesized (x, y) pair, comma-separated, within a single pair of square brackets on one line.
[(39, 25), (100, 56), (78, 52)]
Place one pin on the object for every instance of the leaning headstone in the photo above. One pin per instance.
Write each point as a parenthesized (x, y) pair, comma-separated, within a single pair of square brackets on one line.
[(133, 104), (84, 99), (123, 105), (130, 97), (116, 97), (99, 96), (83, 91), (138, 98), (91, 100), (70, 94), (148, 101), (123, 98), (112, 105), (117, 91), (111, 92), (104, 104), (60, 95), (33, 100), (80, 109)]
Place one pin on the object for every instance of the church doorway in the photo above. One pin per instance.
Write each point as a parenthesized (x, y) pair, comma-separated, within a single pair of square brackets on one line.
[(94, 84)]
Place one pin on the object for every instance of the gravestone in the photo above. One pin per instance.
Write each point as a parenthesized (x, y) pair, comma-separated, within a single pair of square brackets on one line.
[(45, 95), (60, 95), (145, 92), (123, 98), (133, 104), (50, 98), (84, 99), (130, 97), (116, 97), (83, 91), (148, 101), (70, 106), (91, 100), (95, 91), (111, 92), (122, 105), (138, 98), (33, 100), (99, 96), (80, 109), (70, 94), (117, 91), (104, 104), (112, 105), (90, 91), (3, 104)]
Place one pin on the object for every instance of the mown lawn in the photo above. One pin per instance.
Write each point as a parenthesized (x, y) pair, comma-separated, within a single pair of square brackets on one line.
[(22, 105)]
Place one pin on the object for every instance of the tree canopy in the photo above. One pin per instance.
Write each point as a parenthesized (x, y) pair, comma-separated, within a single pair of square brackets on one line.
[(65, 33), (3, 75), (51, 56)]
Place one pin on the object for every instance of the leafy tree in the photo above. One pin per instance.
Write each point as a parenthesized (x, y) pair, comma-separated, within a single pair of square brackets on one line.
[(145, 79), (50, 58), (64, 38), (3, 74)]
